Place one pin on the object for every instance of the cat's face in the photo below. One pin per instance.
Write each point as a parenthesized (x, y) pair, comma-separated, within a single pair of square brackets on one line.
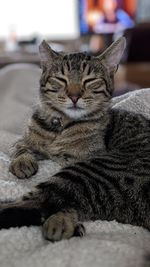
[(77, 84), (73, 86)]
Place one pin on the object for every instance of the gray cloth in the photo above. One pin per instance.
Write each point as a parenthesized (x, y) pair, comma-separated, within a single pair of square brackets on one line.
[(106, 243)]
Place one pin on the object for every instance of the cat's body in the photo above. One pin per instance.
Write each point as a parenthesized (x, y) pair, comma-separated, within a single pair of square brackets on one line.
[(61, 141), (105, 153)]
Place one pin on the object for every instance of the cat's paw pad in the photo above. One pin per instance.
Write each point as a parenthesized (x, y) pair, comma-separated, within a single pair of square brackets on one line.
[(23, 166), (62, 226)]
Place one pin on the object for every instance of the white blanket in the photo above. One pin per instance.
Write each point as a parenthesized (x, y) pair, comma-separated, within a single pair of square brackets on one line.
[(105, 244)]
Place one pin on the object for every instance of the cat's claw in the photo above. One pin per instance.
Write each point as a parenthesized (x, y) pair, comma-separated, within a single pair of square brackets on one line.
[(79, 230)]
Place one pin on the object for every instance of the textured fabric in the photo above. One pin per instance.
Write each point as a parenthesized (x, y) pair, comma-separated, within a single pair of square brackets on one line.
[(106, 243)]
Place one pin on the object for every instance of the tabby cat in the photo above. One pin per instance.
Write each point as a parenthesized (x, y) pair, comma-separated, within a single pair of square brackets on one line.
[(104, 153)]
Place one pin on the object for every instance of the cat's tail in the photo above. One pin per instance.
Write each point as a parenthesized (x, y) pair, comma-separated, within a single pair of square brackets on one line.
[(24, 212), (35, 207), (18, 216)]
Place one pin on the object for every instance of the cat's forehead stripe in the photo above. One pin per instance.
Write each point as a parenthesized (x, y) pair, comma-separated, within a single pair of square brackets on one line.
[(77, 56), (74, 61)]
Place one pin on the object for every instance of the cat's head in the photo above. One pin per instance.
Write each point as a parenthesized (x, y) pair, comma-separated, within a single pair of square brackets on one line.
[(79, 84)]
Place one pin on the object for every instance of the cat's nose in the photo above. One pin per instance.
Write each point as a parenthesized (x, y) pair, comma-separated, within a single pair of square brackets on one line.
[(74, 98)]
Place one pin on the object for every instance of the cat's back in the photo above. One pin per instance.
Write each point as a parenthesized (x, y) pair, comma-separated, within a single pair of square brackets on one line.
[(127, 132)]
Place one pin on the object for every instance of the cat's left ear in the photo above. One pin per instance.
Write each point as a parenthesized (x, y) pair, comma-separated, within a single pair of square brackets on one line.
[(112, 55), (47, 55)]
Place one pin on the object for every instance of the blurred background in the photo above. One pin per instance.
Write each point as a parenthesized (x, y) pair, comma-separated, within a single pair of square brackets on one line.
[(79, 25)]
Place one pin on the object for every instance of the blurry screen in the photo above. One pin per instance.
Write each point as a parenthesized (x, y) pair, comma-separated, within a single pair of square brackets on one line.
[(56, 19), (106, 16)]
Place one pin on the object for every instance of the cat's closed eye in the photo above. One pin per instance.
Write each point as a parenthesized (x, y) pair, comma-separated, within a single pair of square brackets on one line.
[(54, 85), (97, 87), (94, 85)]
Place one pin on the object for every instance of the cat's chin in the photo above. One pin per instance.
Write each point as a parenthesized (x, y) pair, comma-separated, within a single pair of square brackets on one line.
[(75, 113)]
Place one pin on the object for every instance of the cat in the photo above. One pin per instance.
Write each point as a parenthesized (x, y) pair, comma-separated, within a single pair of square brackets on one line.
[(77, 111), (104, 152)]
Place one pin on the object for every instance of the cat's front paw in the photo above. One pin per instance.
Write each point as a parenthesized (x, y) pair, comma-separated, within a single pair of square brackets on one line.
[(24, 166), (62, 225)]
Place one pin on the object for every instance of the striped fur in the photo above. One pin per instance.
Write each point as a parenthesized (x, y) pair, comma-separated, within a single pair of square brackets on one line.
[(105, 154)]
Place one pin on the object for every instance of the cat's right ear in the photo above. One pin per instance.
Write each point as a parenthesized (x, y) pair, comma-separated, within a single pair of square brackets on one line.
[(47, 55), (111, 57)]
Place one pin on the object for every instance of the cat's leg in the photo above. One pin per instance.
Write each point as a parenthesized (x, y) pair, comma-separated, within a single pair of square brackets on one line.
[(60, 225), (59, 205), (34, 145), (24, 163), (63, 224)]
